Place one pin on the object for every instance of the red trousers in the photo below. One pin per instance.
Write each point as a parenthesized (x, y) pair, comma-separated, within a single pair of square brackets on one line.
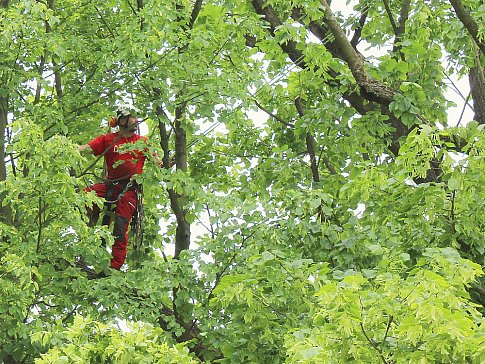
[(125, 208)]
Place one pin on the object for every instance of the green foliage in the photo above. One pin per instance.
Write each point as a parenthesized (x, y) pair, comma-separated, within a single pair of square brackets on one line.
[(87, 341), (349, 254), (422, 317), (264, 305)]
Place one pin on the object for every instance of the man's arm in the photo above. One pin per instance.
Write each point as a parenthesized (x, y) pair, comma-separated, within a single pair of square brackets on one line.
[(86, 148)]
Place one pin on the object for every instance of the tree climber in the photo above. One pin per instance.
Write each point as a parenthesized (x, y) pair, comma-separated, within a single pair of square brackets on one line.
[(120, 189)]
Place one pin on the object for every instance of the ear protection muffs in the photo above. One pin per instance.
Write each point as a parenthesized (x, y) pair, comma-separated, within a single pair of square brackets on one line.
[(113, 122)]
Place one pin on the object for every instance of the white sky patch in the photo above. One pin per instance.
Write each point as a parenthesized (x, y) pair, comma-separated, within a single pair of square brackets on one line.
[(457, 92), (359, 210)]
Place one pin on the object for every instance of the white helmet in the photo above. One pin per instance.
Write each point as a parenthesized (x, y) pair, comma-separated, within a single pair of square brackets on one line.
[(126, 110)]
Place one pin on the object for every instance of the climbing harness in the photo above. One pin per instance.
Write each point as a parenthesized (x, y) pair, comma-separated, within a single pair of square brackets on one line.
[(109, 203), (109, 211)]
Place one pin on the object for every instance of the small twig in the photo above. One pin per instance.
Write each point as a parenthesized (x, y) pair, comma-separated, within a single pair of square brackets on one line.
[(409, 294), (372, 342), (274, 309), (39, 232), (105, 23), (132, 8), (374, 345), (213, 235), (205, 227), (44, 303), (391, 320), (221, 273), (391, 18), (64, 320), (463, 110), (358, 31), (219, 51), (276, 117), (457, 90)]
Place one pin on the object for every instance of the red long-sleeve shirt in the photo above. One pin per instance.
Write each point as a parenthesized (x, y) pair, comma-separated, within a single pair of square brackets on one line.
[(120, 165)]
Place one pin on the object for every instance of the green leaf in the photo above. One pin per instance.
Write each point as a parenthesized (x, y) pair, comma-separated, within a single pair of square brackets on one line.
[(453, 184)]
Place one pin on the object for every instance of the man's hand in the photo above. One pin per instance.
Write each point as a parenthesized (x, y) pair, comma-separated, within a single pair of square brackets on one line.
[(86, 148), (160, 163), (171, 162)]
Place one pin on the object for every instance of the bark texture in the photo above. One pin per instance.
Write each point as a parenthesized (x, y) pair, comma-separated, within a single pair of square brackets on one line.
[(477, 88)]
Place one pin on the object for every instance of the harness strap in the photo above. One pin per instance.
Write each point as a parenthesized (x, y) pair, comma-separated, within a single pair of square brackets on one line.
[(108, 204)]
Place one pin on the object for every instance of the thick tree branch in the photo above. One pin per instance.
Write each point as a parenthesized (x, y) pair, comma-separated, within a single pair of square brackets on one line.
[(164, 136), (250, 40), (182, 234), (477, 89), (320, 31), (195, 13), (310, 143), (274, 116), (191, 332), (378, 93), (468, 22), (403, 17), (38, 89), (290, 48), (57, 81), (372, 90)]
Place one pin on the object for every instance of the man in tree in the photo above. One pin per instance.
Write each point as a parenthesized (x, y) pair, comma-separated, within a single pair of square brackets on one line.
[(122, 163)]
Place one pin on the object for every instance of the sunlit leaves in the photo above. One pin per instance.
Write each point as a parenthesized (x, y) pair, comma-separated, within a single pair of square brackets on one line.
[(421, 317), (365, 264), (88, 341)]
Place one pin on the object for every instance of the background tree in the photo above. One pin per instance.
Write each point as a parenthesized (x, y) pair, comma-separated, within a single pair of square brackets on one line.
[(346, 226)]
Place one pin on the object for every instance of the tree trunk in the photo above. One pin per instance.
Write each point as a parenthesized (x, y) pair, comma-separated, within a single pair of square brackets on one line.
[(468, 22), (178, 202), (5, 211), (477, 87)]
